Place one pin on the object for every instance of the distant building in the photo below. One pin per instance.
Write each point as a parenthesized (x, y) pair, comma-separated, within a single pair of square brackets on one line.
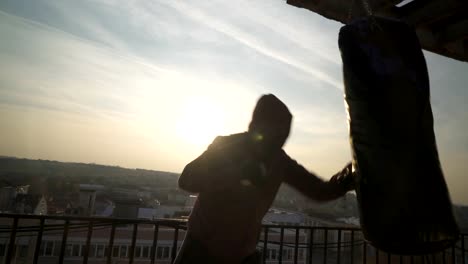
[(176, 197), (126, 208), (107, 211), (25, 203), (87, 197), (144, 194), (124, 193), (190, 202), (286, 217), (24, 189), (41, 208), (275, 216), (7, 196), (164, 211)]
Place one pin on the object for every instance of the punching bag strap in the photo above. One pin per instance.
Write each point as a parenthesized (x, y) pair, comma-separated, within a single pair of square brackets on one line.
[(350, 12), (368, 11)]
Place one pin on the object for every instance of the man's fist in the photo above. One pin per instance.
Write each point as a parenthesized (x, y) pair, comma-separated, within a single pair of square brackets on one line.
[(344, 179)]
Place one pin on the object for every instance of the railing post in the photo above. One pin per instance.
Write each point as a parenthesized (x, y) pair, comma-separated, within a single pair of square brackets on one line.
[(64, 241), (174, 243), (265, 244), (12, 244), (296, 246), (132, 247), (376, 255), (38, 240), (280, 256), (111, 244), (352, 247), (325, 246), (463, 248), (453, 254), (364, 252), (338, 251), (311, 244), (155, 243), (88, 242)]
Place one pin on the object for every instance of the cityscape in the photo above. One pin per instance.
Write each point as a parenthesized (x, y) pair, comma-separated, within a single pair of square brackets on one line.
[(145, 215)]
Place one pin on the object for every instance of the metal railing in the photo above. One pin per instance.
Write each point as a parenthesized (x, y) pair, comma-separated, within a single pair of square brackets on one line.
[(342, 245), (68, 239)]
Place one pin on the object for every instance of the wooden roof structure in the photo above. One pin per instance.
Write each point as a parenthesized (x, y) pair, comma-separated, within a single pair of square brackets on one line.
[(441, 25)]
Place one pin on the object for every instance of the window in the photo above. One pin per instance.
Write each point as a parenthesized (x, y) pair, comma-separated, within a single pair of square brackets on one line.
[(163, 252), (106, 251), (99, 251), (57, 247), (146, 252), (68, 250), (115, 251), (22, 251), (159, 252), (346, 236), (137, 251), (166, 253), (76, 250), (92, 251), (123, 251), (48, 248), (371, 251), (2, 250), (301, 254), (83, 250), (272, 254)]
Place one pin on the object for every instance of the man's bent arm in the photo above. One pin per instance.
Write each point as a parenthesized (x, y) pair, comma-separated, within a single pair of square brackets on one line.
[(211, 171)]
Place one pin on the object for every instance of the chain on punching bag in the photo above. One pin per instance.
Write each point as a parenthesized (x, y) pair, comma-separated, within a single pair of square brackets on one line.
[(403, 199)]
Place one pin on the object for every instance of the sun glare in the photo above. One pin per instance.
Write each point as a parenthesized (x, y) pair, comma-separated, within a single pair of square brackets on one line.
[(200, 121)]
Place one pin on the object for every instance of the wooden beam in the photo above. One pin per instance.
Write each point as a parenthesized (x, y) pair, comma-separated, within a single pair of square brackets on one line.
[(419, 13), (430, 42), (457, 47), (329, 9), (422, 12), (343, 10), (454, 32)]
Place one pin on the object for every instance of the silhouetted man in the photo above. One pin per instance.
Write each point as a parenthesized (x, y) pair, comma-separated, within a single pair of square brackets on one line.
[(237, 179)]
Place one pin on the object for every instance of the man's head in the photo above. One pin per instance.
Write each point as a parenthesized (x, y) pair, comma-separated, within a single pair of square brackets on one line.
[(271, 122)]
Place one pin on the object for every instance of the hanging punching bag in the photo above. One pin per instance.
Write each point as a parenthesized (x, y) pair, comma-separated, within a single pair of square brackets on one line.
[(403, 199)]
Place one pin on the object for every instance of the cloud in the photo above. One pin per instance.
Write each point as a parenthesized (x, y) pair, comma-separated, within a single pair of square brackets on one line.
[(252, 42), (303, 32)]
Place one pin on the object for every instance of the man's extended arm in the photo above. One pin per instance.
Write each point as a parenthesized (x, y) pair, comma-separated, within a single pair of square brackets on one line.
[(315, 188)]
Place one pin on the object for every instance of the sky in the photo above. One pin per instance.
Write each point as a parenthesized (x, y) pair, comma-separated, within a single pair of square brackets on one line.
[(149, 84)]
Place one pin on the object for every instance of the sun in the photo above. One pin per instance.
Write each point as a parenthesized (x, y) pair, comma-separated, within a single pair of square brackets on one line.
[(200, 121)]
